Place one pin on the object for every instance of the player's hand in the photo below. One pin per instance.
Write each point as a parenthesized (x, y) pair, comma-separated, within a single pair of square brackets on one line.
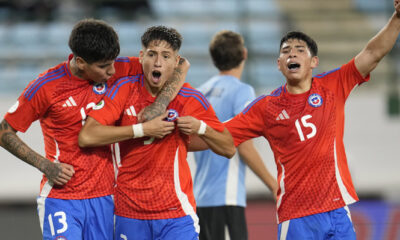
[(397, 7), (158, 127), (183, 65), (188, 125), (58, 173)]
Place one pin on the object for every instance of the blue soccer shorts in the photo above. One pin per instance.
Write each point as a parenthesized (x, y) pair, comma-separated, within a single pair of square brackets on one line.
[(184, 228), (89, 219), (335, 224)]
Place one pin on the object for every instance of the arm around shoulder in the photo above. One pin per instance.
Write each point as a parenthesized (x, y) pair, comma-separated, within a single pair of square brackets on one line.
[(167, 93)]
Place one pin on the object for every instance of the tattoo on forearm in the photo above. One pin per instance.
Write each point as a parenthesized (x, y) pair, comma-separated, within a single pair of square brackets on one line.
[(52, 170), (4, 125), (154, 110), (164, 97), (13, 144)]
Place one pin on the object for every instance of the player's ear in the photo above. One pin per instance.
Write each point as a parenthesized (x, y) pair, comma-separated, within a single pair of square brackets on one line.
[(278, 61), (141, 56), (178, 57), (314, 62), (80, 63), (245, 53)]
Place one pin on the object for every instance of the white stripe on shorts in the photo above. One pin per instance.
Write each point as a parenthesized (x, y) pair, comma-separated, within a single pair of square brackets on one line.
[(284, 229)]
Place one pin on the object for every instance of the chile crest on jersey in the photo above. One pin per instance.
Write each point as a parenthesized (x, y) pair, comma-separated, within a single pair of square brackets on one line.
[(315, 100), (172, 115), (100, 88)]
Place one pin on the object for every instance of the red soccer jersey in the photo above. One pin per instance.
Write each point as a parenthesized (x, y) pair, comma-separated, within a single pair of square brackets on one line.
[(305, 132), (61, 101), (154, 180)]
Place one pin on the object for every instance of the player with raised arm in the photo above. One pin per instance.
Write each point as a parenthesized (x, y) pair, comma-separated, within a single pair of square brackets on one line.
[(219, 183), (303, 121), (75, 199), (154, 192)]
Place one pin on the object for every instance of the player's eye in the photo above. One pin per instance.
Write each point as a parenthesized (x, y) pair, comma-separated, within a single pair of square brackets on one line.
[(103, 66)]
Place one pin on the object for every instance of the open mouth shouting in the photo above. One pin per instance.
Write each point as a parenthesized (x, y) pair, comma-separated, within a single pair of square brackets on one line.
[(156, 76), (293, 67)]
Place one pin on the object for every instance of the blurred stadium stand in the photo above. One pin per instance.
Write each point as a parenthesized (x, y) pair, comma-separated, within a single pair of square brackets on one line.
[(34, 36), (340, 27), (25, 45)]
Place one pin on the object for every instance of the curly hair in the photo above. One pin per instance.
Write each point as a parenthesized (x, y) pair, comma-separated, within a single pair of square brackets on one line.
[(162, 33), (94, 41)]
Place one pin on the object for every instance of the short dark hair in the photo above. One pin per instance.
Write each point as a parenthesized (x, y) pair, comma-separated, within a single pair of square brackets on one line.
[(94, 40), (162, 33), (311, 44), (227, 49)]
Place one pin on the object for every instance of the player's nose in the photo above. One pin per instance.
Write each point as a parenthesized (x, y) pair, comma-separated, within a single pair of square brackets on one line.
[(111, 70)]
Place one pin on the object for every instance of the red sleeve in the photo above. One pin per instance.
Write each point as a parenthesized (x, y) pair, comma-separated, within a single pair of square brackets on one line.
[(351, 77), (127, 66), (111, 108), (344, 79), (30, 106), (249, 123), (197, 106)]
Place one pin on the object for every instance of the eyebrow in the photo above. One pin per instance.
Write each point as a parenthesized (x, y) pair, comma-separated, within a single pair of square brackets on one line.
[(296, 46), (104, 64), (162, 52)]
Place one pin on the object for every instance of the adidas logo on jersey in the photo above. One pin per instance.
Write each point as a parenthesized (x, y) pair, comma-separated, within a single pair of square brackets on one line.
[(70, 103), (283, 115), (130, 111)]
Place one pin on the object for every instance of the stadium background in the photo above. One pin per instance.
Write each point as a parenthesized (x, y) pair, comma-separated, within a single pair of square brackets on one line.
[(34, 35)]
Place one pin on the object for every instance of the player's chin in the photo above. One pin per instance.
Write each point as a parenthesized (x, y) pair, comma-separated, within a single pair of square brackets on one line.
[(103, 80), (106, 79), (157, 84)]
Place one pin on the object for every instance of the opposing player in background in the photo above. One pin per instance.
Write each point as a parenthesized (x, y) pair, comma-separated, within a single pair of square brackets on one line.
[(304, 123), (219, 183), (154, 192), (75, 199)]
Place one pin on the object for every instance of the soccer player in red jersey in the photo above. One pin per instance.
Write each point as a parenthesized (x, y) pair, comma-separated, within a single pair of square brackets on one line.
[(75, 196), (304, 123), (154, 192)]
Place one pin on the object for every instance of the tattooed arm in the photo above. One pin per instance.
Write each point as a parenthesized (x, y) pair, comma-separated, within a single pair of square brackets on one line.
[(167, 93), (58, 173)]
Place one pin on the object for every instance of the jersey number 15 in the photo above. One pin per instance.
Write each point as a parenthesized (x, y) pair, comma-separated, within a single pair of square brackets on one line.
[(305, 124)]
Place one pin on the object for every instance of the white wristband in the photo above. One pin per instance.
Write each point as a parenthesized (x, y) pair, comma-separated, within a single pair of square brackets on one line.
[(137, 130), (202, 129)]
